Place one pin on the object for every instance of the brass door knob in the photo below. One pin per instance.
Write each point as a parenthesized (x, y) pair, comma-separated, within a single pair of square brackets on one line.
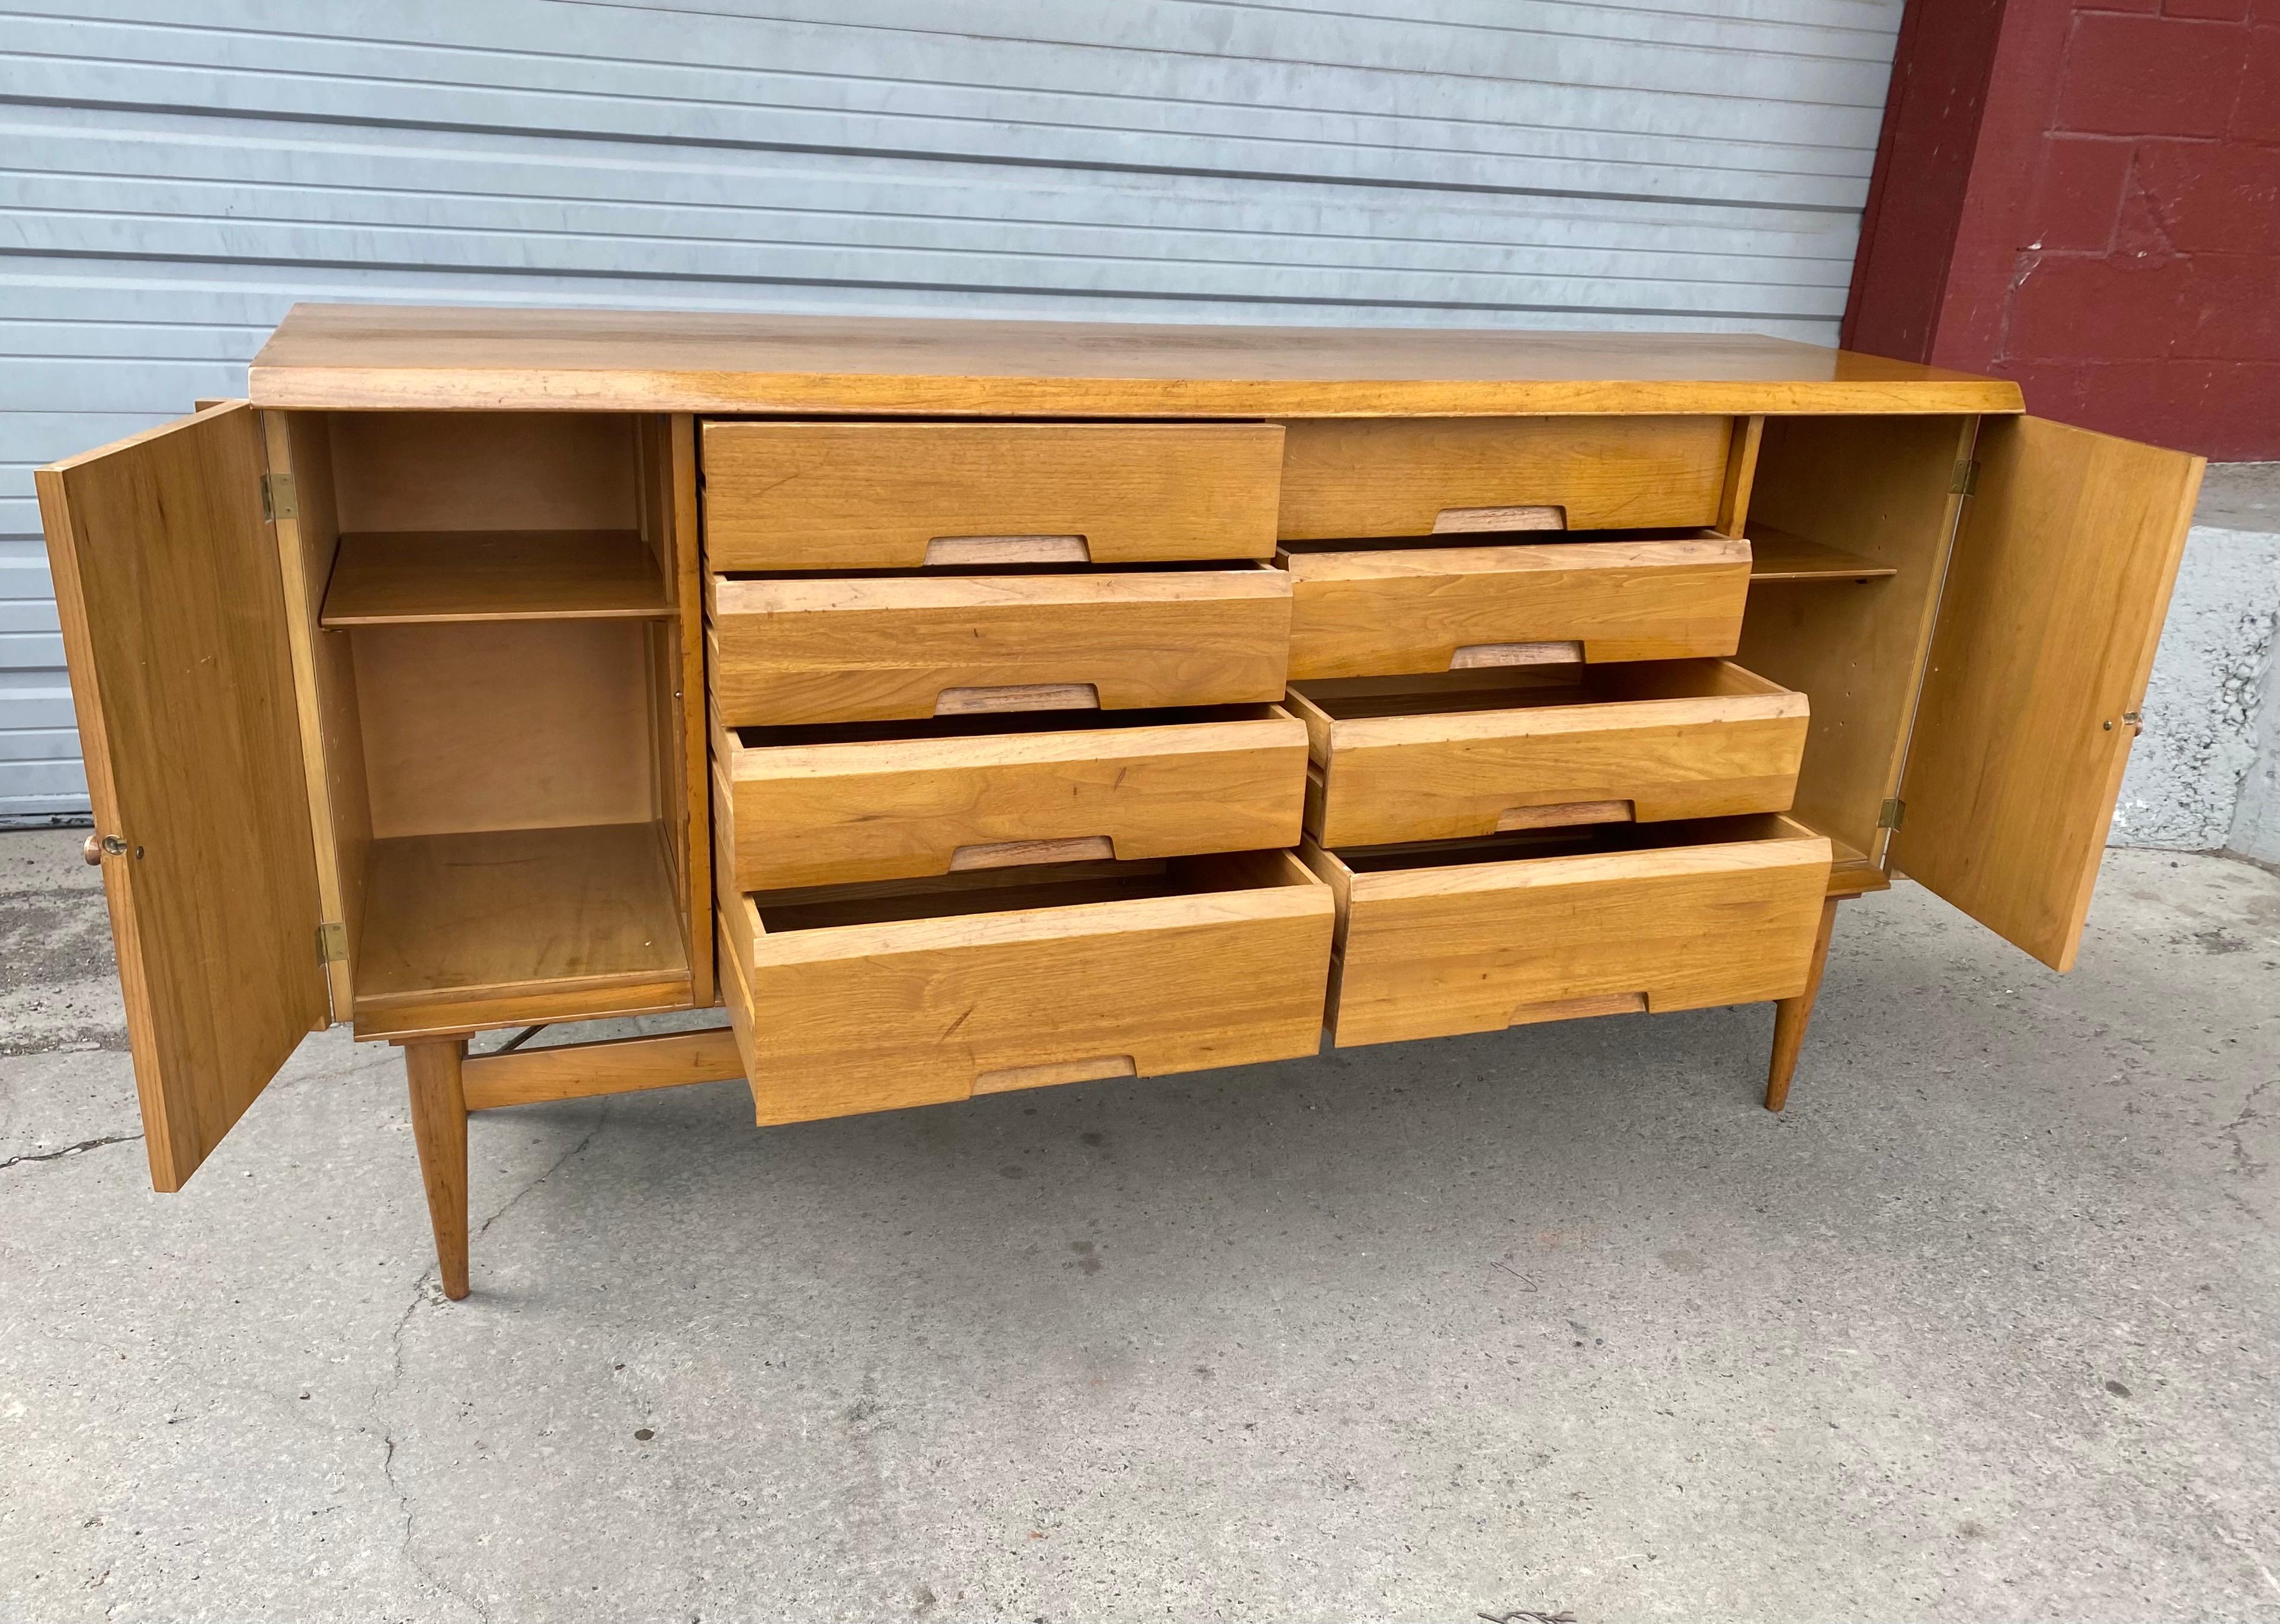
[(91, 848)]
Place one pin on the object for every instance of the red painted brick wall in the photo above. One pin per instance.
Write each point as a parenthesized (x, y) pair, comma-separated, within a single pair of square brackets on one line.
[(2116, 245)]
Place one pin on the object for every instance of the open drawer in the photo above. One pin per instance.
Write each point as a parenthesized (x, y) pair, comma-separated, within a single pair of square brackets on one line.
[(854, 496), (1476, 752), (888, 648), (872, 998), (1478, 937), (1419, 476), (801, 806), (1394, 610)]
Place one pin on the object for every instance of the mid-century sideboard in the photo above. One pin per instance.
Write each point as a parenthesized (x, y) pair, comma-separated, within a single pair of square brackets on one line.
[(979, 705)]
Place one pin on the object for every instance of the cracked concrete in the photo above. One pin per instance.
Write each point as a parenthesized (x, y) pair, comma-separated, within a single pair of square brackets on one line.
[(59, 985), (1552, 1320), (2206, 774)]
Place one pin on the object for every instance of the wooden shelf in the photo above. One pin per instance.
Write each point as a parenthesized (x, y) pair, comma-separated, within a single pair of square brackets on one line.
[(394, 578), (498, 926), (1850, 871), (1777, 555)]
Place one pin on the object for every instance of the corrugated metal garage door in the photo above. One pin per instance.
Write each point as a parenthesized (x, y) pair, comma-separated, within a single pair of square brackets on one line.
[(175, 173)]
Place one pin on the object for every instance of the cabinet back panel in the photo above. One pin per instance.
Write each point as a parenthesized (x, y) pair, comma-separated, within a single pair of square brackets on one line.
[(512, 725), (1876, 486), (485, 470)]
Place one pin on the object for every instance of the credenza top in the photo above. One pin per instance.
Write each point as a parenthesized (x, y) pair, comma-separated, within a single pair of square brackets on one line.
[(370, 356)]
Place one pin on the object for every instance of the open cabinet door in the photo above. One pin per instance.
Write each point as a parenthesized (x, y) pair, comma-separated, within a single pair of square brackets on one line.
[(2061, 577), (173, 622)]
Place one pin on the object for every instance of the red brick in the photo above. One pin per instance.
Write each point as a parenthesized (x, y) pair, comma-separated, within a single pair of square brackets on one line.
[(2212, 198), (2160, 402), (2239, 416), (2057, 389), (2213, 10), (2231, 307), (2070, 307), (2226, 410), (2140, 235), (2121, 397), (2148, 75), (2077, 192), (2256, 114)]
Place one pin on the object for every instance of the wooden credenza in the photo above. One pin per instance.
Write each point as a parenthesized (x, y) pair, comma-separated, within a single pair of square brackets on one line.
[(971, 706)]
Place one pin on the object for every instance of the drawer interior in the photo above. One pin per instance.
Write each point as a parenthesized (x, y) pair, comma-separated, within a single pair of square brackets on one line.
[(1526, 687), (1530, 535), (1017, 567), (997, 724), (1585, 840), (1009, 890), (496, 654)]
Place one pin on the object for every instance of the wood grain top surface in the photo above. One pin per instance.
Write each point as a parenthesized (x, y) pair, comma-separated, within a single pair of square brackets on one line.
[(351, 357)]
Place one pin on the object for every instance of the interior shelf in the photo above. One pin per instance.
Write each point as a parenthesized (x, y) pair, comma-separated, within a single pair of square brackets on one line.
[(1777, 555), (393, 578), (481, 928), (1850, 871)]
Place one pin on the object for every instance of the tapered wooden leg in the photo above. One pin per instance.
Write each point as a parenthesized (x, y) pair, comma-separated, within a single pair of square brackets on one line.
[(1790, 1014), (439, 1127)]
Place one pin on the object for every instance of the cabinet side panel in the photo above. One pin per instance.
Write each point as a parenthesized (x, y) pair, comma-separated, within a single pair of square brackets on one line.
[(681, 512), (1741, 474), (324, 676), (1877, 487), (668, 761)]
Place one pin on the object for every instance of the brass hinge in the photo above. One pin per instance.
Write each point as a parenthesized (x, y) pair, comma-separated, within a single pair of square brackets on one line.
[(1889, 815), (1966, 482), (279, 497), (332, 942)]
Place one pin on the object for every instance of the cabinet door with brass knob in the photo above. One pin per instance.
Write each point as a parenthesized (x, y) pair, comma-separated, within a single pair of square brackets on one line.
[(173, 621)]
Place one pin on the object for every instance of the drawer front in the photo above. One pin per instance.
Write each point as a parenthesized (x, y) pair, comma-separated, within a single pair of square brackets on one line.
[(833, 651), (1417, 476), (838, 813), (1396, 611), (1448, 775), (895, 496), (1477, 947), (878, 1016)]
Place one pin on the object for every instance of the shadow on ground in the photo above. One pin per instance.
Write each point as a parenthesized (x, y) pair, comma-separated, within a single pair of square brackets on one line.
[(1982, 1327)]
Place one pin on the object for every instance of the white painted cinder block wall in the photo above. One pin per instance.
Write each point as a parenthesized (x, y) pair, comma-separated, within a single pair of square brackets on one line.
[(2206, 774)]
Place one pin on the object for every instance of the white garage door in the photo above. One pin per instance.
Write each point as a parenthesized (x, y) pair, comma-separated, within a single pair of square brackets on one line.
[(178, 171)]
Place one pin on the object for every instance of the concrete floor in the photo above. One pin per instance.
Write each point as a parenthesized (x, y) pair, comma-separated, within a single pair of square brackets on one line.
[(2205, 773), (1983, 1327)]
